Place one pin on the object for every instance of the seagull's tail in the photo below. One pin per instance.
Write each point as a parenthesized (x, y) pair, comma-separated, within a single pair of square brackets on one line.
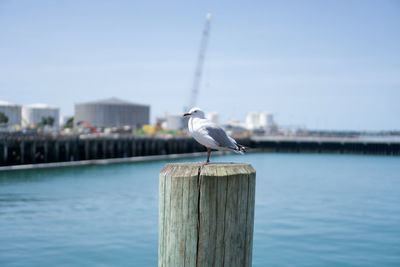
[(240, 149)]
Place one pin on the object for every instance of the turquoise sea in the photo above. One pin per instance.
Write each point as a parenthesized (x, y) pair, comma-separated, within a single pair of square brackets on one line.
[(311, 210)]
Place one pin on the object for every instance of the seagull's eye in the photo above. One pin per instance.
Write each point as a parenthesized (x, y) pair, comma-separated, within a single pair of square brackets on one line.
[(195, 111)]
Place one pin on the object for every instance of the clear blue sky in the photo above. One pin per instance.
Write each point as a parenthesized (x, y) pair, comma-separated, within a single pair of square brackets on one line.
[(322, 64)]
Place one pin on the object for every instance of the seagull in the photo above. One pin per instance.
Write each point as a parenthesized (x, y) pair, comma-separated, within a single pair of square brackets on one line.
[(210, 134)]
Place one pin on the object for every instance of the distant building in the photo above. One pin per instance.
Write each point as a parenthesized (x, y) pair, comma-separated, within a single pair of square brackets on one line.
[(10, 114), (112, 112), (40, 115), (213, 116), (252, 120), (259, 120), (266, 120)]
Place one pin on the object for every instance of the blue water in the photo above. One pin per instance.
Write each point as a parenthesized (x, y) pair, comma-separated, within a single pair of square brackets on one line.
[(311, 210)]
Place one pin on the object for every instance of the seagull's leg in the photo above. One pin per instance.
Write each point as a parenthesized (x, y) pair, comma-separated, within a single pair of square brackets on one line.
[(208, 155)]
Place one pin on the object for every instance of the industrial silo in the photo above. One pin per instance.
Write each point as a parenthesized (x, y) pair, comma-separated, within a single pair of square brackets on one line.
[(112, 112), (10, 114), (40, 115)]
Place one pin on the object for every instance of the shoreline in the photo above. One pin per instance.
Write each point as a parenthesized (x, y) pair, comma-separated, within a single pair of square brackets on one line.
[(108, 161)]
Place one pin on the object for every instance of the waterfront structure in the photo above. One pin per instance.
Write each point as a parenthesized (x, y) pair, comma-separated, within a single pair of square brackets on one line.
[(266, 120), (19, 149), (252, 120), (112, 112), (259, 120), (40, 115), (10, 114)]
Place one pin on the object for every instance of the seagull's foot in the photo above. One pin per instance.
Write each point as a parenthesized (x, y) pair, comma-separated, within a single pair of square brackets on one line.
[(205, 163)]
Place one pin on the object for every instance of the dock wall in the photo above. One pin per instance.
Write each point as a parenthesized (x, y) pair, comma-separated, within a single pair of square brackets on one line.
[(19, 150)]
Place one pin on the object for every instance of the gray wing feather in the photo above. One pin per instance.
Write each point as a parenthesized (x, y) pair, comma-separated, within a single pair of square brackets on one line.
[(220, 136)]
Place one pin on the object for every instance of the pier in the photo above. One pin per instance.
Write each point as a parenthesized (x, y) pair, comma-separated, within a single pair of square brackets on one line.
[(26, 149), (46, 149)]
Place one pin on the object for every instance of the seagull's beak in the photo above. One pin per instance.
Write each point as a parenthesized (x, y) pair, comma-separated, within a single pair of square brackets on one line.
[(186, 114)]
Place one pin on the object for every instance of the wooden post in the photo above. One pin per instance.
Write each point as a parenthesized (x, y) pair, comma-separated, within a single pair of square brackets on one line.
[(133, 143), (33, 151), (111, 148), (104, 149), (206, 214), (86, 147), (95, 145), (56, 150), (22, 152), (5, 152), (46, 152), (67, 151), (139, 146)]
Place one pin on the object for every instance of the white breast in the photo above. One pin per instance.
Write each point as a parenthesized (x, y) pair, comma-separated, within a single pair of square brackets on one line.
[(200, 134)]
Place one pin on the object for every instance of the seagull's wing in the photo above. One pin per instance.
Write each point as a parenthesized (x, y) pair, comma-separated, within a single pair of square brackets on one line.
[(220, 137)]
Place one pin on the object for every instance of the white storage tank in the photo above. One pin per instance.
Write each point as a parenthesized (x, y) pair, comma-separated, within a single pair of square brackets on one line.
[(112, 112), (266, 120), (252, 120), (37, 115), (10, 114), (259, 120)]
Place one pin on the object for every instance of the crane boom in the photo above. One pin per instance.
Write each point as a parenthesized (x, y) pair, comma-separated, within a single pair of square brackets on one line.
[(200, 61)]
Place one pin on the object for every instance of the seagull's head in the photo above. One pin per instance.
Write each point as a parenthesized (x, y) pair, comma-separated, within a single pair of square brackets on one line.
[(195, 113)]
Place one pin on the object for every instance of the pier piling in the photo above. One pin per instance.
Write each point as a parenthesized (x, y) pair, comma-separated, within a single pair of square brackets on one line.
[(206, 214)]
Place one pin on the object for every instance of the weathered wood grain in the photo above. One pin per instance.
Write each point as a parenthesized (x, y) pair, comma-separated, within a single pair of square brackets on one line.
[(206, 215)]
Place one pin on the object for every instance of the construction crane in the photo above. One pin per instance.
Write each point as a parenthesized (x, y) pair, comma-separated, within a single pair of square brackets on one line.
[(200, 62)]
